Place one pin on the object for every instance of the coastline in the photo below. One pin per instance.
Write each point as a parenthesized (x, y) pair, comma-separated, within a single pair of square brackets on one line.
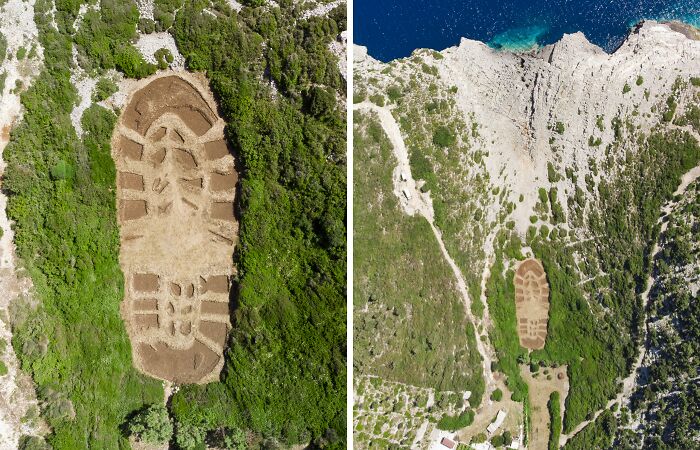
[(529, 43)]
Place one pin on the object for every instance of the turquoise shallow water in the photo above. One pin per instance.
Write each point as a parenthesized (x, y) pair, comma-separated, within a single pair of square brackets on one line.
[(394, 28), (519, 39)]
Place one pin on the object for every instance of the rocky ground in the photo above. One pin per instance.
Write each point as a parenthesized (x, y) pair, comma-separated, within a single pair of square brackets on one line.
[(532, 113)]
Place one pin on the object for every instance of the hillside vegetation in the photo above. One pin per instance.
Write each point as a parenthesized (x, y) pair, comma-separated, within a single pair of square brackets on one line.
[(410, 328), (61, 198), (285, 368), (284, 379), (668, 398), (410, 324)]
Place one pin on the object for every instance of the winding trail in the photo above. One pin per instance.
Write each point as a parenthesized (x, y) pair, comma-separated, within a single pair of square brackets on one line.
[(629, 383), (413, 202)]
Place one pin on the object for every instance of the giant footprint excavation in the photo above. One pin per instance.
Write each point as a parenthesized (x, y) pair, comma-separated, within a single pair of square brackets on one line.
[(176, 186), (531, 304)]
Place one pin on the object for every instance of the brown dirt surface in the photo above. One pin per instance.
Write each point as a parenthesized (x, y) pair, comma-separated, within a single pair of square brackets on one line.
[(531, 303), (176, 191), (540, 387), (488, 410)]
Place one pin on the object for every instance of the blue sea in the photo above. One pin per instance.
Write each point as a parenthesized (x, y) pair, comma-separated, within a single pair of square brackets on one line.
[(392, 29)]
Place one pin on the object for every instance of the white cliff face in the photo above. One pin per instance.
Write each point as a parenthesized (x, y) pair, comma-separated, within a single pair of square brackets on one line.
[(517, 100)]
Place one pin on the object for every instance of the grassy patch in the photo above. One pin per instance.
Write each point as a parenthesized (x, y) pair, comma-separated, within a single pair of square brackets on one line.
[(410, 324)]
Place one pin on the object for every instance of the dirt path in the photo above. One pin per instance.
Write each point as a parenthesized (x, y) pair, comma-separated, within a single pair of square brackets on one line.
[(630, 382), (413, 202)]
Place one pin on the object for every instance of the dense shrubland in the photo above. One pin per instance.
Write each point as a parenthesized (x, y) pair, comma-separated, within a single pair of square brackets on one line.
[(73, 342), (284, 378), (285, 371), (668, 397), (595, 326)]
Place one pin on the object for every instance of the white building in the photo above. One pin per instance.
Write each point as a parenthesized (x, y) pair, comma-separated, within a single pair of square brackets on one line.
[(496, 424)]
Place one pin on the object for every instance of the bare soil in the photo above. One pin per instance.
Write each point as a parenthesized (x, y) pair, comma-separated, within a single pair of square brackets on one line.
[(540, 386), (531, 303), (488, 410), (176, 189)]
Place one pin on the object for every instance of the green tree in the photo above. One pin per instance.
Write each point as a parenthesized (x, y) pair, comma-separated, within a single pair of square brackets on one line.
[(443, 137), (189, 436), (497, 441), (152, 425)]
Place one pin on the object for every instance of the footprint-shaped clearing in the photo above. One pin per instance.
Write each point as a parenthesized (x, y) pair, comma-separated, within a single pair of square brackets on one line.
[(176, 187)]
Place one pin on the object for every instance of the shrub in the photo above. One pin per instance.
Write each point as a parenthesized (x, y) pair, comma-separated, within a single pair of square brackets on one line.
[(454, 423), (626, 88), (594, 142), (479, 438), (599, 122), (559, 127), (377, 99), (103, 89), (394, 93), (32, 443), (443, 137), (189, 436), (128, 60), (3, 48), (552, 174), (3, 369), (321, 102), (640, 80), (497, 395), (163, 58), (671, 110), (146, 26), (507, 437), (234, 439), (497, 441), (152, 425), (554, 420)]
